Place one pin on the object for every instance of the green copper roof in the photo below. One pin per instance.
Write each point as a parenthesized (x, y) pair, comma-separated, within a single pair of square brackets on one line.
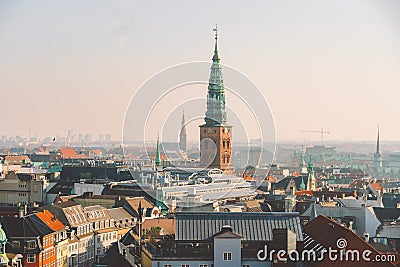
[(158, 158), (216, 114), (310, 165), (302, 185)]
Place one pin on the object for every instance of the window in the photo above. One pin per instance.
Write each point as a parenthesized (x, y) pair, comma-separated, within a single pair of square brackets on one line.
[(31, 244), (227, 256), (31, 258), (15, 244), (167, 265), (246, 265), (185, 265), (203, 265)]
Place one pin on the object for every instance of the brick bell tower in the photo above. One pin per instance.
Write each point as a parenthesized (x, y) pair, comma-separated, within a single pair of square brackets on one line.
[(216, 134)]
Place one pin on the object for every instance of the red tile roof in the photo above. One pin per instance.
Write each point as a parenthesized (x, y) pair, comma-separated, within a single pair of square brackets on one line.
[(50, 220), (69, 153)]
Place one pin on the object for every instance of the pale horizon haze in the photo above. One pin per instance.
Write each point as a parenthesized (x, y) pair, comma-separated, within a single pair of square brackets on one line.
[(320, 64)]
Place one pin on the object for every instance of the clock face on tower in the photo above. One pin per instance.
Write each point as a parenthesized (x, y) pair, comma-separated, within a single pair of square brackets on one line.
[(210, 130)]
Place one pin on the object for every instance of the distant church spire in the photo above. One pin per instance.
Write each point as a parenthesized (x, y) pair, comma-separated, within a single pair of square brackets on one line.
[(377, 143), (311, 175), (158, 157), (183, 135), (377, 155)]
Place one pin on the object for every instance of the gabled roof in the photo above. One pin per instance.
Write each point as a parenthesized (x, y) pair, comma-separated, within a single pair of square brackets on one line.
[(131, 204), (326, 233), (17, 227), (252, 226), (17, 159), (50, 220), (282, 184), (226, 234), (118, 255), (63, 187), (387, 214), (168, 225), (69, 153), (119, 214)]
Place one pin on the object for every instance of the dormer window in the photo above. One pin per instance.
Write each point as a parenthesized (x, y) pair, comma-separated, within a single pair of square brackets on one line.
[(31, 244)]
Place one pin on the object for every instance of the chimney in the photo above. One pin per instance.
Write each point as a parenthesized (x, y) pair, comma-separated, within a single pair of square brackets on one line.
[(22, 211), (366, 237)]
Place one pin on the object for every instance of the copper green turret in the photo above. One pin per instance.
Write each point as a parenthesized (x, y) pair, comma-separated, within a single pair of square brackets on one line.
[(216, 114)]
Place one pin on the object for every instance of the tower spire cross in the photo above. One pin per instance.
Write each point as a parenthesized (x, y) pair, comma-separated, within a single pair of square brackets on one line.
[(216, 31)]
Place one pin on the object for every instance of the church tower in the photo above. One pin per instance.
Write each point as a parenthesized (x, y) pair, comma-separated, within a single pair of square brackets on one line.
[(182, 135), (216, 134), (377, 155), (311, 176)]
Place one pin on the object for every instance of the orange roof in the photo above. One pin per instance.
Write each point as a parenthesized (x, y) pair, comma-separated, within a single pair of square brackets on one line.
[(162, 156), (376, 186), (50, 220), (304, 192), (17, 158), (69, 153), (165, 223), (247, 177)]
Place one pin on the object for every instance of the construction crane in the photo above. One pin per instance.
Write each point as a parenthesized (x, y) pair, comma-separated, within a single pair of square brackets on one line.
[(322, 132)]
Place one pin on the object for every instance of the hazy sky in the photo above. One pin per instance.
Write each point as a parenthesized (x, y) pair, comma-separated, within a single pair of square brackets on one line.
[(76, 64)]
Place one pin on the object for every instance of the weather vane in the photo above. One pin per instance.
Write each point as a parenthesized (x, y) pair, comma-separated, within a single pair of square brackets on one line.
[(216, 31)]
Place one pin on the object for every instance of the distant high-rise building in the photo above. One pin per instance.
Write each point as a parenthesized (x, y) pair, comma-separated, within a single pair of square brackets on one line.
[(88, 138), (216, 134), (377, 155), (182, 135)]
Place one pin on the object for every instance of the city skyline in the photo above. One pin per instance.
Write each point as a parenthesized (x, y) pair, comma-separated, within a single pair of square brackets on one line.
[(76, 66)]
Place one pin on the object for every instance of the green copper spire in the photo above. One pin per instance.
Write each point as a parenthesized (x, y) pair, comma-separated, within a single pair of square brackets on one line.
[(310, 167), (216, 114), (302, 185), (158, 158), (311, 175)]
